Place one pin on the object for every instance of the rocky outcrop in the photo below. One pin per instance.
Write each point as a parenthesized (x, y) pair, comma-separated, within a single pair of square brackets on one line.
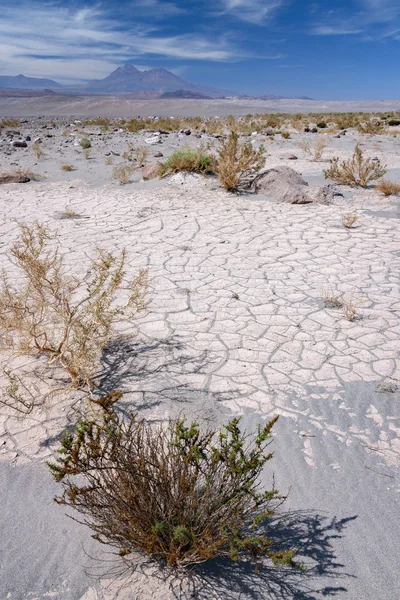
[(283, 184)]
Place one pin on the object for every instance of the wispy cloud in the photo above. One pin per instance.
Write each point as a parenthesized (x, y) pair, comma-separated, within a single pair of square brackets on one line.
[(252, 11), (375, 19), (50, 39)]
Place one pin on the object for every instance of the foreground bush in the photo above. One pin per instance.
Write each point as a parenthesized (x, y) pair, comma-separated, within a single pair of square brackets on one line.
[(236, 161), (174, 493), (65, 318), (194, 161), (358, 171)]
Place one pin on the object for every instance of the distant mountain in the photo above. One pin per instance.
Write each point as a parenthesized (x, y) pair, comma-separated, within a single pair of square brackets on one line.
[(128, 79), (20, 82), (185, 94)]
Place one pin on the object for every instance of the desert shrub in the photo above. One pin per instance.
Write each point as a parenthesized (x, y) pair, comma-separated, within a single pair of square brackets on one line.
[(141, 155), (388, 188), (37, 150), (194, 161), (394, 122), (315, 150), (172, 492), (358, 171), (349, 219), (67, 168), (10, 123), (123, 173), (322, 125), (372, 126), (100, 122), (62, 317), (236, 160), (85, 143), (285, 135)]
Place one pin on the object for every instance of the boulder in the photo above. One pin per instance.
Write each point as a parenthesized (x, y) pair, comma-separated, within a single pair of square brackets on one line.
[(150, 171), (282, 183), (19, 144), (14, 179), (158, 154)]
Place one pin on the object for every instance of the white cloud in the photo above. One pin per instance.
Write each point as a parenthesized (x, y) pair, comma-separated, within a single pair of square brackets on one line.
[(253, 11), (51, 40), (335, 30)]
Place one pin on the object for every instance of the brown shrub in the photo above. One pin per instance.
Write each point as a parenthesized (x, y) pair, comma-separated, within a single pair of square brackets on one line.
[(235, 161), (123, 173), (67, 319), (388, 188), (358, 171), (172, 491)]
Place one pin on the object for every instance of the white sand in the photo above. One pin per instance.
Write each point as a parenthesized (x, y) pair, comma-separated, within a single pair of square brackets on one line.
[(276, 349)]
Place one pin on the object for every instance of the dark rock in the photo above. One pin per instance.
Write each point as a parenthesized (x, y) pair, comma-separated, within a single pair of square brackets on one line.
[(158, 155), (28, 138), (14, 179), (18, 144)]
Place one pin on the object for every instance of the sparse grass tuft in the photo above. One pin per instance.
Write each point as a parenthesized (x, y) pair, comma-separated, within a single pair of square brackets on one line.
[(348, 220), (358, 171), (388, 188), (315, 150), (123, 173), (85, 143), (141, 155), (62, 317), (194, 161), (332, 299), (67, 168), (172, 492), (372, 126), (285, 135)]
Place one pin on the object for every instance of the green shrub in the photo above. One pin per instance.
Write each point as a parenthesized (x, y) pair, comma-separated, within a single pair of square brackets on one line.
[(195, 161), (85, 143), (394, 122), (172, 492), (322, 125)]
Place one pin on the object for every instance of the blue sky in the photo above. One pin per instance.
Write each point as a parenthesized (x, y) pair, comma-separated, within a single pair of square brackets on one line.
[(328, 50)]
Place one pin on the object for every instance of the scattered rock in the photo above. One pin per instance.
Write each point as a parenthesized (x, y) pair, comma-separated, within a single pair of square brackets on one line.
[(19, 144), (283, 184), (158, 155), (28, 138), (14, 179), (155, 139), (150, 171), (290, 156), (323, 195)]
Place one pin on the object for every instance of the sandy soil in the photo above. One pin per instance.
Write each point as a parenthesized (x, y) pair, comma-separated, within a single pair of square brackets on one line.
[(117, 106), (235, 324)]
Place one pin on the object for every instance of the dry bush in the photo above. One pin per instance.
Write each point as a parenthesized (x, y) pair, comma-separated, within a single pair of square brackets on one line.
[(10, 123), (108, 160), (348, 220), (141, 155), (27, 173), (86, 153), (315, 150), (67, 168), (170, 491), (123, 173), (373, 126), (285, 135), (236, 161), (346, 120), (65, 318), (351, 305), (358, 171), (37, 150), (388, 188), (332, 299), (194, 161)]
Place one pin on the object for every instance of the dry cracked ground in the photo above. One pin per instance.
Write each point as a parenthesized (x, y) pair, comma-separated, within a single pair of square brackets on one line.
[(235, 323)]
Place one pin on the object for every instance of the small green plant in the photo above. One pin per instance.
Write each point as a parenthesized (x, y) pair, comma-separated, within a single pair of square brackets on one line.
[(358, 171), (322, 125), (194, 161), (237, 160), (394, 122), (172, 491), (85, 143)]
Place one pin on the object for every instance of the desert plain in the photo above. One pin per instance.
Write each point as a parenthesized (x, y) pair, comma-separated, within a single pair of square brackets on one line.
[(237, 322)]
